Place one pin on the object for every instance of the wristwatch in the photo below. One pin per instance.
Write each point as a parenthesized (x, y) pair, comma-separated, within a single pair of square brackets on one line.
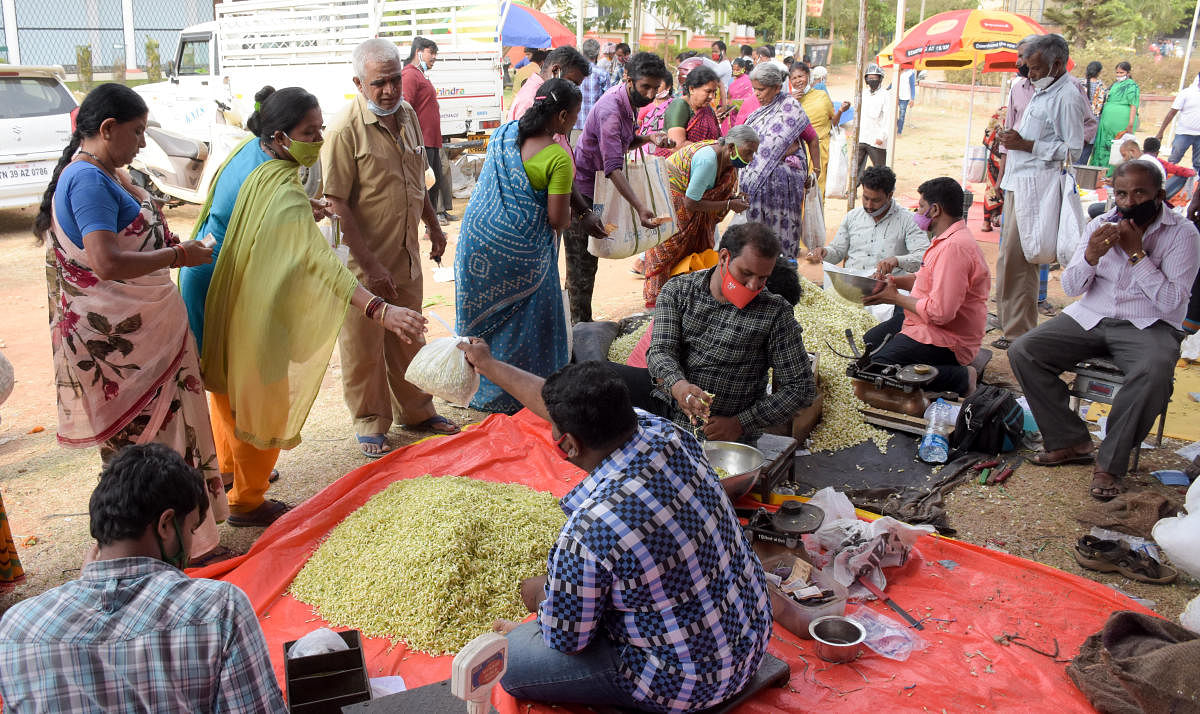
[(1138, 255)]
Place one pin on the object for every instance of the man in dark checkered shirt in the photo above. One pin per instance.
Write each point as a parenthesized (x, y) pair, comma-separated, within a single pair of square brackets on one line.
[(653, 599), (717, 332)]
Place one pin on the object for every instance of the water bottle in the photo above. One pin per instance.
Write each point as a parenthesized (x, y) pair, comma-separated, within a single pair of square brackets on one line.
[(935, 445)]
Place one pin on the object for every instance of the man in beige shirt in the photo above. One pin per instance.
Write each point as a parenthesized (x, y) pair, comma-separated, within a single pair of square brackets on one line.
[(374, 174)]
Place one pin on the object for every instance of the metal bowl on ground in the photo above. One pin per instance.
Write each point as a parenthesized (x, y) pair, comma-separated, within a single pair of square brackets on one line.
[(743, 463), (850, 285), (838, 638)]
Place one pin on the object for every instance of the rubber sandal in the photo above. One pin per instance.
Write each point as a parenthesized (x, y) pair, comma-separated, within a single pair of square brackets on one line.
[(1047, 308), (216, 555), (270, 479), (261, 517), (1095, 490), (432, 423), (378, 440), (1110, 556), (1002, 343), (1042, 458)]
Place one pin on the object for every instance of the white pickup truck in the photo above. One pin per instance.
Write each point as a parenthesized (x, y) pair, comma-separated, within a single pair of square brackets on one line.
[(285, 43)]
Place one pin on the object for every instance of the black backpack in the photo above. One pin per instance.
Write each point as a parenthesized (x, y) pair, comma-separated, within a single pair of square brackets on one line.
[(990, 422)]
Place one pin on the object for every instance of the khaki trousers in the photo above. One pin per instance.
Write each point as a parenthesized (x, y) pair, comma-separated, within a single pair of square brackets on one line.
[(1016, 278), (373, 365)]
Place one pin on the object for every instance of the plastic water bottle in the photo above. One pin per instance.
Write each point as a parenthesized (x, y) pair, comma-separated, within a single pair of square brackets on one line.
[(935, 445)]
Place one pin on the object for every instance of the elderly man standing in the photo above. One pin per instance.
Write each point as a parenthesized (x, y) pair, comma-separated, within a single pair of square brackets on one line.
[(1050, 133), (878, 236), (374, 164), (1133, 271)]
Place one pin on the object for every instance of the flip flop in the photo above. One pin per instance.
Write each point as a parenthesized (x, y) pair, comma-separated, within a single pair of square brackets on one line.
[(1098, 491), (1041, 458), (432, 423), (261, 517), (1002, 343), (216, 555), (1110, 556), (379, 440)]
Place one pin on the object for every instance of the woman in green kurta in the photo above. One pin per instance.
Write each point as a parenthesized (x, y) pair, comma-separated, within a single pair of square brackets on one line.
[(1119, 115)]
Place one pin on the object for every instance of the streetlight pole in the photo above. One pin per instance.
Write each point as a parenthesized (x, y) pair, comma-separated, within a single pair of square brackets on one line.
[(859, 65), (896, 73)]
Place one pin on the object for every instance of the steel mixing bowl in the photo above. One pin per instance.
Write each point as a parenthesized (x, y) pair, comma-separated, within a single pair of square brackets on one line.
[(850, 285), (743, 463)]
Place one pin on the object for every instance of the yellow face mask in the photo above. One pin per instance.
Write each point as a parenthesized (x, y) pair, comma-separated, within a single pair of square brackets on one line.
[(305, 153)]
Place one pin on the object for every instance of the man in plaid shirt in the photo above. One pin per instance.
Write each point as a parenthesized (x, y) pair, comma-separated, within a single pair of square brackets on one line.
[(593, 85), (717, 332), (135, 633), (653, 599)]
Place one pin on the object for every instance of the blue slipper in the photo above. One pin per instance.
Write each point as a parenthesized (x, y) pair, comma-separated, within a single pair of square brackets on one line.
[(379, 440), (432, 423)]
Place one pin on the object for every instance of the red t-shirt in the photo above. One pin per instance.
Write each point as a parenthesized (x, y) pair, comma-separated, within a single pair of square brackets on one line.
[(419, 92)]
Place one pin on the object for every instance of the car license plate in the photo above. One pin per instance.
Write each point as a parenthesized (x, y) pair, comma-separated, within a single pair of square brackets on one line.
[(11, 174)]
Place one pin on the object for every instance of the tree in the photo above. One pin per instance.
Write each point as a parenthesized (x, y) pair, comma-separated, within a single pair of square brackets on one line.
[(1084, 19), (677, 15)]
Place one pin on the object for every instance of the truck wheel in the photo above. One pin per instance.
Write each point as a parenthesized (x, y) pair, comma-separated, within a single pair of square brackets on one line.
[(310, 178)]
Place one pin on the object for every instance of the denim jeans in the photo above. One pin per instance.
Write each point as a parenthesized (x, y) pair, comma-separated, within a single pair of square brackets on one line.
[(1174, 185), (900, 116), (542, 674), (1179, 146)]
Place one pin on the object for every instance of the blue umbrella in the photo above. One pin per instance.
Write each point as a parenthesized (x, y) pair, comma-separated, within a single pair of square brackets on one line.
[(524, 27)]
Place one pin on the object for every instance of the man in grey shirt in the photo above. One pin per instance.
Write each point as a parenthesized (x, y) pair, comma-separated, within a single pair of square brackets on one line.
[(879, 235)]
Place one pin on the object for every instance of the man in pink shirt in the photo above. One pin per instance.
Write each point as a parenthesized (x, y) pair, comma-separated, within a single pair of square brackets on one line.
[(1133, 271), (565, 62), (942, 321)]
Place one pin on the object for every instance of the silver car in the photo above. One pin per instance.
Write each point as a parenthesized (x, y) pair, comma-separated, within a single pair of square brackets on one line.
[(36, 121)]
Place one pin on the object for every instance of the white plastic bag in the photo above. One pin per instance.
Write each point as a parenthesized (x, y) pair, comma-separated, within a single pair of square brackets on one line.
[(1190, 618), (1047, 204), (1114, 154), (836, 172), (813, 225), (1179, 536), (627, 236), (441, 369), (319, 641)]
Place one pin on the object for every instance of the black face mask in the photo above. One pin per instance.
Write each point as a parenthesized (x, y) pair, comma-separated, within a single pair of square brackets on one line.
[(874, 84), (1023, 70), (1142, 213), (636, 99)]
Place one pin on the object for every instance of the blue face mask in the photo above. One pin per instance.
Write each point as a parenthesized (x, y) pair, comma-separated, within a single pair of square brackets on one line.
[(737, 161)]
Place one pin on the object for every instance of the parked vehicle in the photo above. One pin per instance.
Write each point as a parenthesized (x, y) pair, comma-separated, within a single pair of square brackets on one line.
[(294, 43), (37, 114)]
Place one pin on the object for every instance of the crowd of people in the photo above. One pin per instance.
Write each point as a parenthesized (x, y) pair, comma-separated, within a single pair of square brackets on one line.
[(262, 300)]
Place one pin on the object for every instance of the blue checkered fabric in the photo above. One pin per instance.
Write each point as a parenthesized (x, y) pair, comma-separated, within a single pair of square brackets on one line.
[(653, 558), (136, 635), (594, 85)]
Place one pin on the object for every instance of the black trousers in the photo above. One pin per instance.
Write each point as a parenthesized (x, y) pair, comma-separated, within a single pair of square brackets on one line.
[(439, 193), (904, 350), (878, 156), (581, 270), (641, 388)]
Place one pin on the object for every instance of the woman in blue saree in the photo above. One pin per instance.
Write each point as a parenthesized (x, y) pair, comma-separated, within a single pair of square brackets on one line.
[(506, 262)]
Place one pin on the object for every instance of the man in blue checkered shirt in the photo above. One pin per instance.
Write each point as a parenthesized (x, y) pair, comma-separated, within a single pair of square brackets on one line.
[(135, 633), (594, 85), (653, 599)]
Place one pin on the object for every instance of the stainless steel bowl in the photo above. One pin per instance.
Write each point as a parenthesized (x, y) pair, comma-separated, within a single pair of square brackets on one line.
[(838, 638), (743, 463), (849, 285)]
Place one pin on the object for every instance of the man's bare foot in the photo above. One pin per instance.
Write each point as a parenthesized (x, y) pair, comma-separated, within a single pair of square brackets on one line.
[(1105, 486)]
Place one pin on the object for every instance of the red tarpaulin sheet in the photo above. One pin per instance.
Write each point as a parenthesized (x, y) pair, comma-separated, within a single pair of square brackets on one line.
[(987, 594)]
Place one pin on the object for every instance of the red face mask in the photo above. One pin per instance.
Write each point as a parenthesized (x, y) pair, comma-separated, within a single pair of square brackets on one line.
[(734, 291), (716, 56)]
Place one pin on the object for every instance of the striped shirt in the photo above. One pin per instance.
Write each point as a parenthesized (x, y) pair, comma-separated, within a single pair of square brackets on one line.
[(1156, 288), (594, 85), (652, 557), (136, 635)]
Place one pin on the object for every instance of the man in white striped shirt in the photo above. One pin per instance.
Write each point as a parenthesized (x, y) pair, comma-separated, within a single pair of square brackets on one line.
[(1133, 271)]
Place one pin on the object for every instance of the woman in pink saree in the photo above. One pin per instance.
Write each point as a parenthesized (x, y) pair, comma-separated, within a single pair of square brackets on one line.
[(125, 362)]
